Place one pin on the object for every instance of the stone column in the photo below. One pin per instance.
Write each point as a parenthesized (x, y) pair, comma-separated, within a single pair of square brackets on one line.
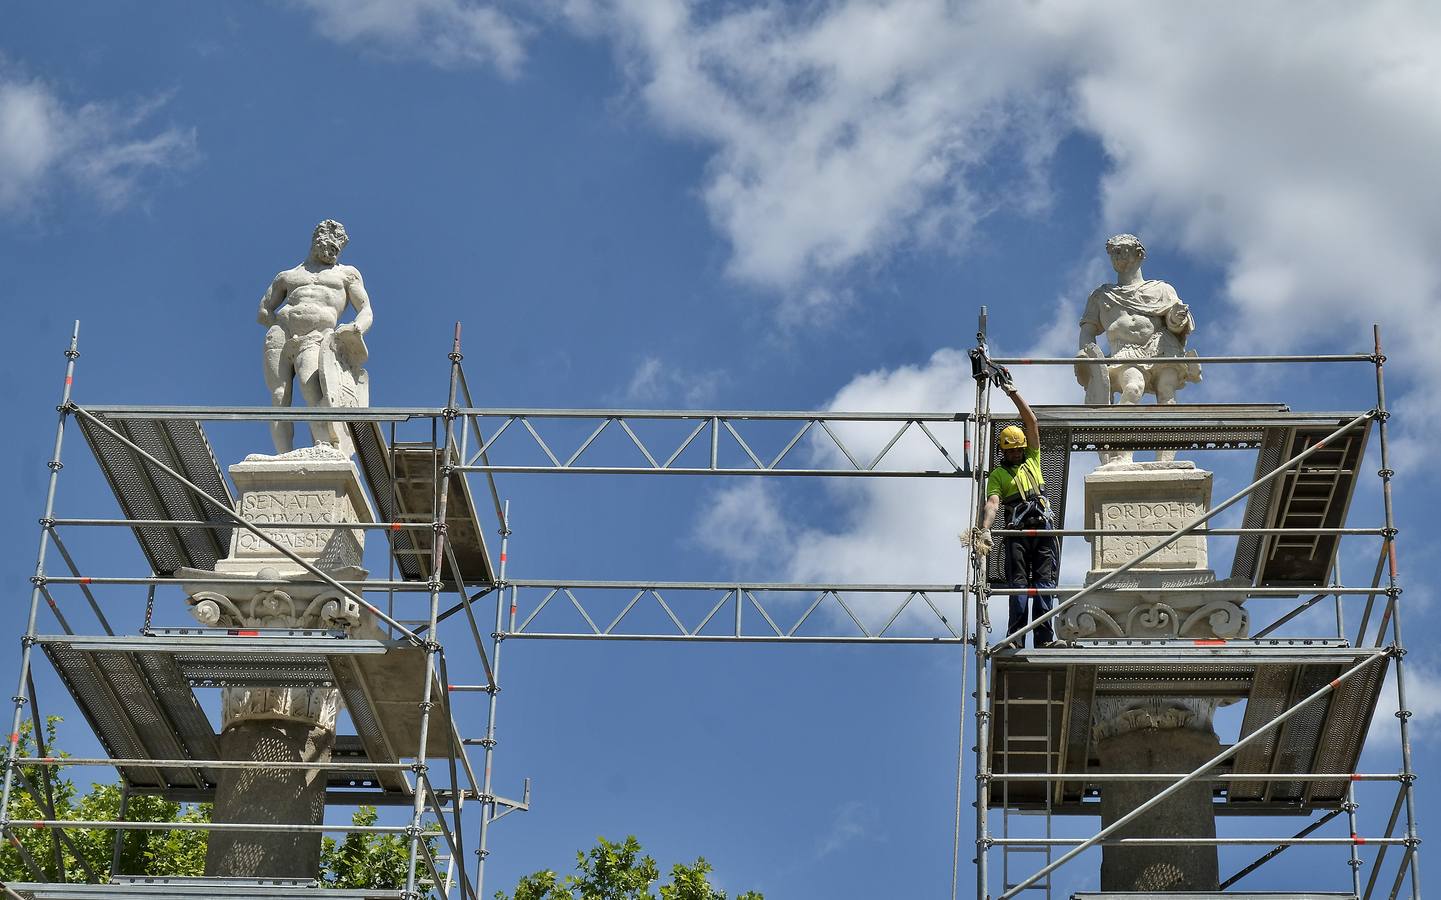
[(1158, 737), (280, 723)]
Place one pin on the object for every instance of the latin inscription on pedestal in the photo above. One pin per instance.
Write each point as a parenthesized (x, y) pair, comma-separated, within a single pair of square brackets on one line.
[(318, 507), (1185, 553)]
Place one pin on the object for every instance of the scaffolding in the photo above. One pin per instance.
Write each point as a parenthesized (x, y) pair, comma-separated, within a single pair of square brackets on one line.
[(1308, 697), (447, 602)]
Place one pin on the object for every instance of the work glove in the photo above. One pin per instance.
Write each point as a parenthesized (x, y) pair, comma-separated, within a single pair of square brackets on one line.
[(980, 541)]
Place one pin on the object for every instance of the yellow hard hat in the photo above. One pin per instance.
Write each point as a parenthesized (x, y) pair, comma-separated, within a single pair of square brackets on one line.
[(1013, 438)]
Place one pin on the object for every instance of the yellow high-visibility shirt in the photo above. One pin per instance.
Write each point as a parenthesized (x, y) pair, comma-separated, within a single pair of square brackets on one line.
[(1006, 481)]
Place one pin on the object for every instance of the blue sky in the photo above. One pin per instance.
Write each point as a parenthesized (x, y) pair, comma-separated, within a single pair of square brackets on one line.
[(731, 205)]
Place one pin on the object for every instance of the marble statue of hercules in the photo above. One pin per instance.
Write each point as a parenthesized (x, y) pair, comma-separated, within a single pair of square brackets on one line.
[(305, 341)]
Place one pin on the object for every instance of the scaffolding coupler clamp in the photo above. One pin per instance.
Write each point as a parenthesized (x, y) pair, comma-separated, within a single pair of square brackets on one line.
[(55, 465), (983, 369), (487, 742), (39, 580), (419, 768)]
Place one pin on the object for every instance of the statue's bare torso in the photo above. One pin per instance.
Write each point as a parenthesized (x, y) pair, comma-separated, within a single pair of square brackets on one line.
[(314, 300)]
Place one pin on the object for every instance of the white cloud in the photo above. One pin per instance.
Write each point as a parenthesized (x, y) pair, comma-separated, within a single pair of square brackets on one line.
[(743, 523), (445, 33), (654, 381), (888, 530), (844, 132), (1423, 696), (103, 150), (847, 825), (1292, 152)]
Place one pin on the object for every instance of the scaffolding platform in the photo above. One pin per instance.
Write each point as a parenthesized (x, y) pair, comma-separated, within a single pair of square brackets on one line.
[(1043, 703), (138, 694), (1206, 895), (194, 888), (402, 481), (145, 492), (1316, 494)]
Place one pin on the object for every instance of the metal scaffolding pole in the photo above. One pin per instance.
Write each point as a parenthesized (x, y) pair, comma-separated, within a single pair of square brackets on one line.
[(1403, 712), (981, 585), (27, 642), (431, 645), (488, 800)]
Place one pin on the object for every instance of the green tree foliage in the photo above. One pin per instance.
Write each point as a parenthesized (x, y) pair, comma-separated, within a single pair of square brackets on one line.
[(360, 861), (616, 870), (369, 860), (46, 854)]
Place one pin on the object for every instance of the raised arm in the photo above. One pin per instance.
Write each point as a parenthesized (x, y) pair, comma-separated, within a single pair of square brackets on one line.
[(359, 299), (1028, 418)]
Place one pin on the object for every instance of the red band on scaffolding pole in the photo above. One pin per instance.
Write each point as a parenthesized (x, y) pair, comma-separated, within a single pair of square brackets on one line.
[(1357, 838), (1209, 642)]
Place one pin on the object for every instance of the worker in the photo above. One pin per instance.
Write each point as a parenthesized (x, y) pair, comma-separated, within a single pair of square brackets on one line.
[(1028, 561)]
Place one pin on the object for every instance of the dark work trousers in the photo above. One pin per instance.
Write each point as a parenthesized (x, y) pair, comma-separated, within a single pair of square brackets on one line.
[(1032, 562)]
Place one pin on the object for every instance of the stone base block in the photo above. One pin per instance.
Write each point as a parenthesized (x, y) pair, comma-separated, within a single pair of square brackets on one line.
[(1140, 496), (314, 485)]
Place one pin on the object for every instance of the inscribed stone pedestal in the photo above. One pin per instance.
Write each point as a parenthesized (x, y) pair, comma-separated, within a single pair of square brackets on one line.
[(317, 486), (1151, 496)]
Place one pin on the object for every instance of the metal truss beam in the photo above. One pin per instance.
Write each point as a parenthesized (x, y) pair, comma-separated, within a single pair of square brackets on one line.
[(738, 598)]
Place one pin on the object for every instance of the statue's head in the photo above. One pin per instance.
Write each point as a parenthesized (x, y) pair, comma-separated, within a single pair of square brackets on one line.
[(328, 240), (1126, 252)]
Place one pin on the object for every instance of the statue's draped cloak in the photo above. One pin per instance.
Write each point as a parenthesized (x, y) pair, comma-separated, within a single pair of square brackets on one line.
[(1152, 297)]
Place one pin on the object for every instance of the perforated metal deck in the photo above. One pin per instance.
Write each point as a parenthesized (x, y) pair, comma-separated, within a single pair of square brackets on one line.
[(402, 481), (145, 492), (1269, 677), (1316, 494), (138, 693), (1229, 895), (198, 889)]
